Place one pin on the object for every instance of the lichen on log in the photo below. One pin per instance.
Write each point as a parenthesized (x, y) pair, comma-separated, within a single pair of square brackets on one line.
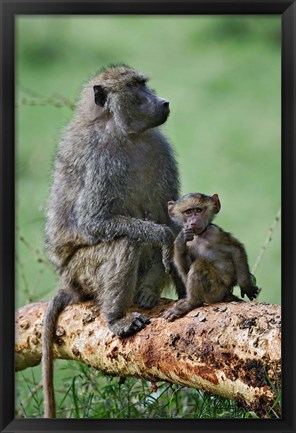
[(229, 349)]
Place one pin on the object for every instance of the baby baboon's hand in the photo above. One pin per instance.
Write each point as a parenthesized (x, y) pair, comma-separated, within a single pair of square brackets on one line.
[(188, 234), (251, 291)]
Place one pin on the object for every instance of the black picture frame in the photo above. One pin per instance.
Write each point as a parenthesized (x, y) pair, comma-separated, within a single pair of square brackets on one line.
[(9, 10)]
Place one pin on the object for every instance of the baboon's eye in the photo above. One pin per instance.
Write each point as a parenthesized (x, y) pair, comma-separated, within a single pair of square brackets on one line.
[(198, 209), (188, 212), (136, 84)]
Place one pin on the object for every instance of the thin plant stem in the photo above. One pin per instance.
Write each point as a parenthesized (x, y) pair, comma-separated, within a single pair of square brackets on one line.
[(267, 241)]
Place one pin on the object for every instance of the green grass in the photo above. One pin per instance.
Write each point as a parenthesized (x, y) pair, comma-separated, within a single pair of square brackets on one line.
[(85, 393), (222, 77)]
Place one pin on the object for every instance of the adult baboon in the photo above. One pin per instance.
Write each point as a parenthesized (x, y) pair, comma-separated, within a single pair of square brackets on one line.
[(107, 230)]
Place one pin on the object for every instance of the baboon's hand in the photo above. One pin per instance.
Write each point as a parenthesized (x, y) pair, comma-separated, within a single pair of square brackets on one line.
[(167, 258), (167, 236), (129, 325), (188, 234), (251, 291), (184, 236), (167, 249)]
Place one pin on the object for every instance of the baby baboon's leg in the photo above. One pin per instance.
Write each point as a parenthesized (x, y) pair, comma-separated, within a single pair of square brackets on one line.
[(151, 278), (203, 284), (108, 271)]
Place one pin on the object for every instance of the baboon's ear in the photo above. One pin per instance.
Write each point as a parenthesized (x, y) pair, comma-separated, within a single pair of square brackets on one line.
[(216, 200), (171, 205), (100, 95)]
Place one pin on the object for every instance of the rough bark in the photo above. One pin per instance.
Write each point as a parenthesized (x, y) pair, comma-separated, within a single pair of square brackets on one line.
[(232, 350)]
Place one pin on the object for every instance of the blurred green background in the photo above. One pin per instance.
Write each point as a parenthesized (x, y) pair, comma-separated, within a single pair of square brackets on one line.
[(221, 75), (222, 78)]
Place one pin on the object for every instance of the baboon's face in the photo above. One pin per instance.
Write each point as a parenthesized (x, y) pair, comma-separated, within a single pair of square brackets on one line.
[(141, 109), (135, 108)]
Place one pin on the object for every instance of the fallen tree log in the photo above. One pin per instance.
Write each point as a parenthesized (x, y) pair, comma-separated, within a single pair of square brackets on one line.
[(232, 350)]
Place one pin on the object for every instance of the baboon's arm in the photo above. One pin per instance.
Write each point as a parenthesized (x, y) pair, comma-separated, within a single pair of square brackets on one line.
[(99, 212)]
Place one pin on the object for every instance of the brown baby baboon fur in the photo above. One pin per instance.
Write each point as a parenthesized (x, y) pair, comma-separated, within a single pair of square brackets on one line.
[(209, 260)]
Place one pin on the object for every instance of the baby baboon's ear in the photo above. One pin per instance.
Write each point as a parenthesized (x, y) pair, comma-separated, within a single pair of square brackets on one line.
[(100, 95), (216, 200), (171, 205)]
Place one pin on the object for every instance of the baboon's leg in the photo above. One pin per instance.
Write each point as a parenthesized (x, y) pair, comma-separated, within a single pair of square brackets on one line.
[(151, 278), (108, 272)]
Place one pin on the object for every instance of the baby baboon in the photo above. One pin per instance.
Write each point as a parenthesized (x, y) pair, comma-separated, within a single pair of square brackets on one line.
[(107, 230), (209, 260)]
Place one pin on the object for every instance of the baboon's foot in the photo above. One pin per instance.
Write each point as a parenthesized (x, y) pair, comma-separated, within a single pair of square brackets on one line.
[(180, 308), (129, 325), (147, 298)]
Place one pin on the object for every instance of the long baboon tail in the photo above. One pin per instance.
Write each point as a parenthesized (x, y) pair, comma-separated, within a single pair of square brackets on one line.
[(55, 307)]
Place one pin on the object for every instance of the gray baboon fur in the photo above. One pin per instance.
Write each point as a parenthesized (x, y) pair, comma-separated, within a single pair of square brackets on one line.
[(107, 230)]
